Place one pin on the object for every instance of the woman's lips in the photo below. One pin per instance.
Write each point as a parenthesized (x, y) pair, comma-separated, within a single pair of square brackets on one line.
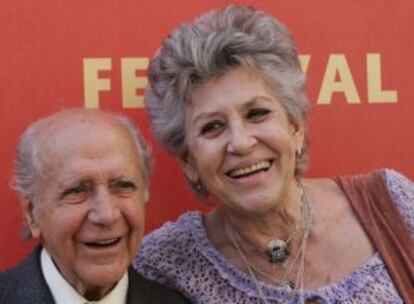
[(255, 168)]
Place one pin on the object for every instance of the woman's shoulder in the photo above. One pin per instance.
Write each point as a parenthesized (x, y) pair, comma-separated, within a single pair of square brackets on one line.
[(174, 235), (180, 255), (169, 248), (401, 189), (174, 243), (398, 183)]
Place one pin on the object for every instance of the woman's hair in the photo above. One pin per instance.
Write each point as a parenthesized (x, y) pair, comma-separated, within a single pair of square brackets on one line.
[(208, 47)]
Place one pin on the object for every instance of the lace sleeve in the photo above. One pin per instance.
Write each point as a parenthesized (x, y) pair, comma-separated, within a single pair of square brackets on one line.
[(146, 262), (402, 191), (168, 253)]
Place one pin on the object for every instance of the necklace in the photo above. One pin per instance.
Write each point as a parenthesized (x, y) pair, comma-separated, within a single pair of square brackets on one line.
[(299, 260), (276, 249)]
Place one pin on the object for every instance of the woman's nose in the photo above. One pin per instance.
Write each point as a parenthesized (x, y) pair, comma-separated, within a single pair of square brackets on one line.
[(241, 138), (104, 210)]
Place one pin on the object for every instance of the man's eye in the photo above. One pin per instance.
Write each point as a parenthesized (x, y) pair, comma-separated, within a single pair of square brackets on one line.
[(211, 127), (74, 192), (123, 186), (257, 113)]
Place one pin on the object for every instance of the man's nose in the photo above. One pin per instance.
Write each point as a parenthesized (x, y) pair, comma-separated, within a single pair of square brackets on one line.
[(241, 139), (104, 209)]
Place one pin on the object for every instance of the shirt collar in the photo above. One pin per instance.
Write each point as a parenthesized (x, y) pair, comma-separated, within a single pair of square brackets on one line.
[(64, 293)]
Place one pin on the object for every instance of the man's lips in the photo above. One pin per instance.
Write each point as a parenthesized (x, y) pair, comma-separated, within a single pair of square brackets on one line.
[(257, 167), (104, 243)]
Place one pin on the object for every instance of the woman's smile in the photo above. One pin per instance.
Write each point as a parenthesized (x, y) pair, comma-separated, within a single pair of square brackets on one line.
[(241, 142), (250, 170)]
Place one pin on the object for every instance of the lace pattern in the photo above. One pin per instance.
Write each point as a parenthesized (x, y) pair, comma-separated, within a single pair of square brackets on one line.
[(180, 255), (402, 191)]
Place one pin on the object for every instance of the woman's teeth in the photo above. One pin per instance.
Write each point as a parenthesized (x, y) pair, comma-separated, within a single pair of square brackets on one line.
[(260, 166)]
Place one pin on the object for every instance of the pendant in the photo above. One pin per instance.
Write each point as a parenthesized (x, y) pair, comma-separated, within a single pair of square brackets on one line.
[(287, 285), (277, 251)]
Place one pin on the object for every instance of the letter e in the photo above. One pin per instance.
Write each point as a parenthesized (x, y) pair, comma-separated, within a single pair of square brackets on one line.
[(130, 82)]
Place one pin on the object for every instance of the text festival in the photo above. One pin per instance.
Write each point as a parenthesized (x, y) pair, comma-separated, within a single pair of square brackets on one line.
[(337, 78)]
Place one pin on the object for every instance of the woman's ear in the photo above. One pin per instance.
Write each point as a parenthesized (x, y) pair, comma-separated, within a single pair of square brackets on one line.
[(188, 168), (298, 132), (28, 208), (146, 196)]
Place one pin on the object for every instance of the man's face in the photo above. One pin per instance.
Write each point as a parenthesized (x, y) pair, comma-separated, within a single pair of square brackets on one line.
[(92, 200)]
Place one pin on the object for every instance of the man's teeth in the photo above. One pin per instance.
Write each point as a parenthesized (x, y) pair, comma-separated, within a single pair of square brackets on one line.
[(248, 170), (105, 242)]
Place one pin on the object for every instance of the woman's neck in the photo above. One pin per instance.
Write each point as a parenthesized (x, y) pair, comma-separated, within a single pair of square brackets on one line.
[(257, 229)]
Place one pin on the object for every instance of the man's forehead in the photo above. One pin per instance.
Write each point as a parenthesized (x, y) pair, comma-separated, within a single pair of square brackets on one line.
[(76, 118), (67, 122), (72, 130)]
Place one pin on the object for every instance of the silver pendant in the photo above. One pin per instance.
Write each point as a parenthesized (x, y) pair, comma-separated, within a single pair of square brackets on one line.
[(287, 285), (277, 251)]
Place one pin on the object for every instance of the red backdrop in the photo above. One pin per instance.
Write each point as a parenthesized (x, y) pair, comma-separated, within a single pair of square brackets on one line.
[(55, 54)]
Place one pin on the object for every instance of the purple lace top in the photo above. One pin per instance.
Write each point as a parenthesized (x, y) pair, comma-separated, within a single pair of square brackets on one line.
[(180, 255)]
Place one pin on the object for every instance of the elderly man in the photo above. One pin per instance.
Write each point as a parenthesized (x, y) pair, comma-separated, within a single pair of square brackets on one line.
[(82, 178)]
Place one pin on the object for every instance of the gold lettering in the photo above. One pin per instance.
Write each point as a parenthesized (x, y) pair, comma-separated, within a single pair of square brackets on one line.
[(92, 84), (304, 62), (337, 79), (375, 92), (338, 66), (131, 82)]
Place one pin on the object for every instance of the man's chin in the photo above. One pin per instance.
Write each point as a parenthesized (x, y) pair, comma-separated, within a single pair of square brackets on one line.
[(101, 277)]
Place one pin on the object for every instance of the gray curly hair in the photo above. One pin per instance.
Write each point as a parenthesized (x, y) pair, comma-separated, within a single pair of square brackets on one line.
[(208, 47), (29, 167)]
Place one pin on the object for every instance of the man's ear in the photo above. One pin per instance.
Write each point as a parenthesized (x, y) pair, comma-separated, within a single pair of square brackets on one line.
[(29, 216)]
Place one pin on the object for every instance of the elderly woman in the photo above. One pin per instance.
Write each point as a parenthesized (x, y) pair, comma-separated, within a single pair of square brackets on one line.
[(227, 98)]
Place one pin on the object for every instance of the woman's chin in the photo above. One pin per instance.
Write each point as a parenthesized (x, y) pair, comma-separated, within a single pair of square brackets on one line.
[(252, 208)]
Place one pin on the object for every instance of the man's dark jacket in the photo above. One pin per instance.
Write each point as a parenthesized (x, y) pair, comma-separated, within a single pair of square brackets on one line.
[(25, 284)]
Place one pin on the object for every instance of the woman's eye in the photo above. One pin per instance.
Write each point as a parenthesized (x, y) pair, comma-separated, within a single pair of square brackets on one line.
[(257, 113), (211, 127)]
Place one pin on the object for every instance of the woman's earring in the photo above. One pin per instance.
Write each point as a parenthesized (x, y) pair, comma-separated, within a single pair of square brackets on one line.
[(298, 151), (199, 188)]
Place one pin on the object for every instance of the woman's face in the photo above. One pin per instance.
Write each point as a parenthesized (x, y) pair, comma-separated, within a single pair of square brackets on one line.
[(240, 141)]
